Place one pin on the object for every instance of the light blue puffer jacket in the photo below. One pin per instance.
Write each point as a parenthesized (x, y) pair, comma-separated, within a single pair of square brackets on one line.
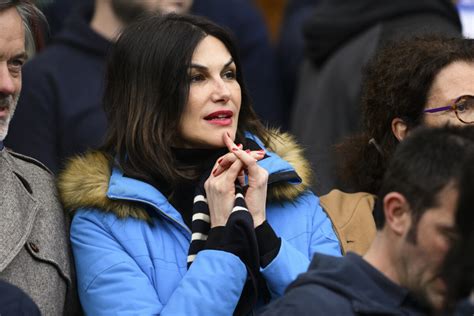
[(131, 257)]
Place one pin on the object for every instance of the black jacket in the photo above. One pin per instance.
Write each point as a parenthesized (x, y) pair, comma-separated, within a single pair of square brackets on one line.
[(343, 286)]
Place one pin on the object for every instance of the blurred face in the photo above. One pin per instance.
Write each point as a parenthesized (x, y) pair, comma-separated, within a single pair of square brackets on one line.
[(130, 10), (421, 259), (214, 97), (12, 58), (453, 81), (168, 6)]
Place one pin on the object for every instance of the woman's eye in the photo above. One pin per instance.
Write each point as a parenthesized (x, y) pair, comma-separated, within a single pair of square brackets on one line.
[(197, 78), (230, 74), (466, 104)]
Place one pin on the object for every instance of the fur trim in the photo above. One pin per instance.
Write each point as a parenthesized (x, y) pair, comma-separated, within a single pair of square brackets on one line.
[(84, 183), (286, 147), (85, 180)]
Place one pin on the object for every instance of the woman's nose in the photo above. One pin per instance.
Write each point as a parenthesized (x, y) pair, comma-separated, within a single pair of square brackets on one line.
[(221, 92)]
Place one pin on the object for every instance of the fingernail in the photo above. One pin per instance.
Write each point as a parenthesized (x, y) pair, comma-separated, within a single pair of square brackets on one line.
[(235, 149), (247, 151), (214, 172), (219, 161), (240, 146)]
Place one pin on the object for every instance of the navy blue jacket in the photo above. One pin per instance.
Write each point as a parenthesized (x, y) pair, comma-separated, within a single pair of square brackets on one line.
[(13, 301), (343, 286)]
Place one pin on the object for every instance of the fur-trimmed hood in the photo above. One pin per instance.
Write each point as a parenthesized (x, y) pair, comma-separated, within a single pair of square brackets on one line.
[(85, 180)]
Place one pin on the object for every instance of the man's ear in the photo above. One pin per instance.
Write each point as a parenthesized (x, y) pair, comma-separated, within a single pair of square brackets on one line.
[(399, 128), (397, 213)]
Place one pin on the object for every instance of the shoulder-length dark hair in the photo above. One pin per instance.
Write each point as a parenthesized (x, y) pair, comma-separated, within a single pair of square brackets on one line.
[(147, 90), (396, 85)]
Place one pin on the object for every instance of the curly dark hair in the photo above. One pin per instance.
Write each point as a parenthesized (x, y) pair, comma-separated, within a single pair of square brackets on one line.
[(397, 84)]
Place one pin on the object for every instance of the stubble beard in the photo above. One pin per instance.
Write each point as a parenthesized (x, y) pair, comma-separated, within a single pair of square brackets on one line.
[(10, 102)]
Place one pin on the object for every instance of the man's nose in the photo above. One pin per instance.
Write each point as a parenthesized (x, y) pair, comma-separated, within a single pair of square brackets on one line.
[(7, 85)]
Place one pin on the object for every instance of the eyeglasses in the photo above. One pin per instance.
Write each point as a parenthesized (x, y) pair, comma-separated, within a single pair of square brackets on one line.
[(463, 107)]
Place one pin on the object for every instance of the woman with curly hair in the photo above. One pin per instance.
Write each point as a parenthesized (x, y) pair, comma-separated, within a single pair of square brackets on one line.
[(426, 81)]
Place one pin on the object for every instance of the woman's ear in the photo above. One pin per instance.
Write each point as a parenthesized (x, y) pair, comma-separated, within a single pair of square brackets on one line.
[(399, 128)]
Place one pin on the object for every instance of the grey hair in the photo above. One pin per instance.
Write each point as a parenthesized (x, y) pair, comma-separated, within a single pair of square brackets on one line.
[(31, 17)]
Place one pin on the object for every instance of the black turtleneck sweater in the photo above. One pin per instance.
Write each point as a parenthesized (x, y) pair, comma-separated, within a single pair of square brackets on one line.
[(182, 195)]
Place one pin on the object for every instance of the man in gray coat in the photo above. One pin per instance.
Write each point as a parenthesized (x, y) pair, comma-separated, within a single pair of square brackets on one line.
[(34, 250)]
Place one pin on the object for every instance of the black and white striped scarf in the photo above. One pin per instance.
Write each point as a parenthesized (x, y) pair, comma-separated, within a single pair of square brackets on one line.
[(201, 222), (239, 238)]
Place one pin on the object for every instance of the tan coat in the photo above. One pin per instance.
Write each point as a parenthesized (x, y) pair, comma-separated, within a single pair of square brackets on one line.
[(351, 215), (34, 246)]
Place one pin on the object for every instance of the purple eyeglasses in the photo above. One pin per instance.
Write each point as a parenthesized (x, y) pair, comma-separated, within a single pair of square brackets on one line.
[(463, 107)]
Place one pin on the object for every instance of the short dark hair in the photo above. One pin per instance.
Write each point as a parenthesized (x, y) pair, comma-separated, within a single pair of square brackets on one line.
[(31, 17), (147, 88), (422, 166), (396, 85), (459, 262)]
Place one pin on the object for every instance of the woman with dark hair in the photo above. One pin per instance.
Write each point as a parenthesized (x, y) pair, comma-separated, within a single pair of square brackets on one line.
[(171, 216), (423, 81)]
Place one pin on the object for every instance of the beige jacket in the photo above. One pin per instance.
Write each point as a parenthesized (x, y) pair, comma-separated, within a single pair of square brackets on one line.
[(351, 215)]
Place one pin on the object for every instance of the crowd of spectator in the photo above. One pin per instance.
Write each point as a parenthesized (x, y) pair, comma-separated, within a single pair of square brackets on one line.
[(173, 158)]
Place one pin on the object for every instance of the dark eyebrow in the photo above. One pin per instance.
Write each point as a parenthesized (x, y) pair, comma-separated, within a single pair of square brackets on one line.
[(201, 67), (22, 55), (229, 63)]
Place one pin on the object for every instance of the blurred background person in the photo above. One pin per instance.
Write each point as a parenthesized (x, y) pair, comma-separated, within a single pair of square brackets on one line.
[(341, 36), (290, 47)]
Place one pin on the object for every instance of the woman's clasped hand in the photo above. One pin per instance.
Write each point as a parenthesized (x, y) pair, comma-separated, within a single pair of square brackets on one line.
[(237, 165)]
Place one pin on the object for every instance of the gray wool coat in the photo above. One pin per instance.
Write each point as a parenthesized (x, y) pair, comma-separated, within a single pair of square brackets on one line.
[(34, 243)]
